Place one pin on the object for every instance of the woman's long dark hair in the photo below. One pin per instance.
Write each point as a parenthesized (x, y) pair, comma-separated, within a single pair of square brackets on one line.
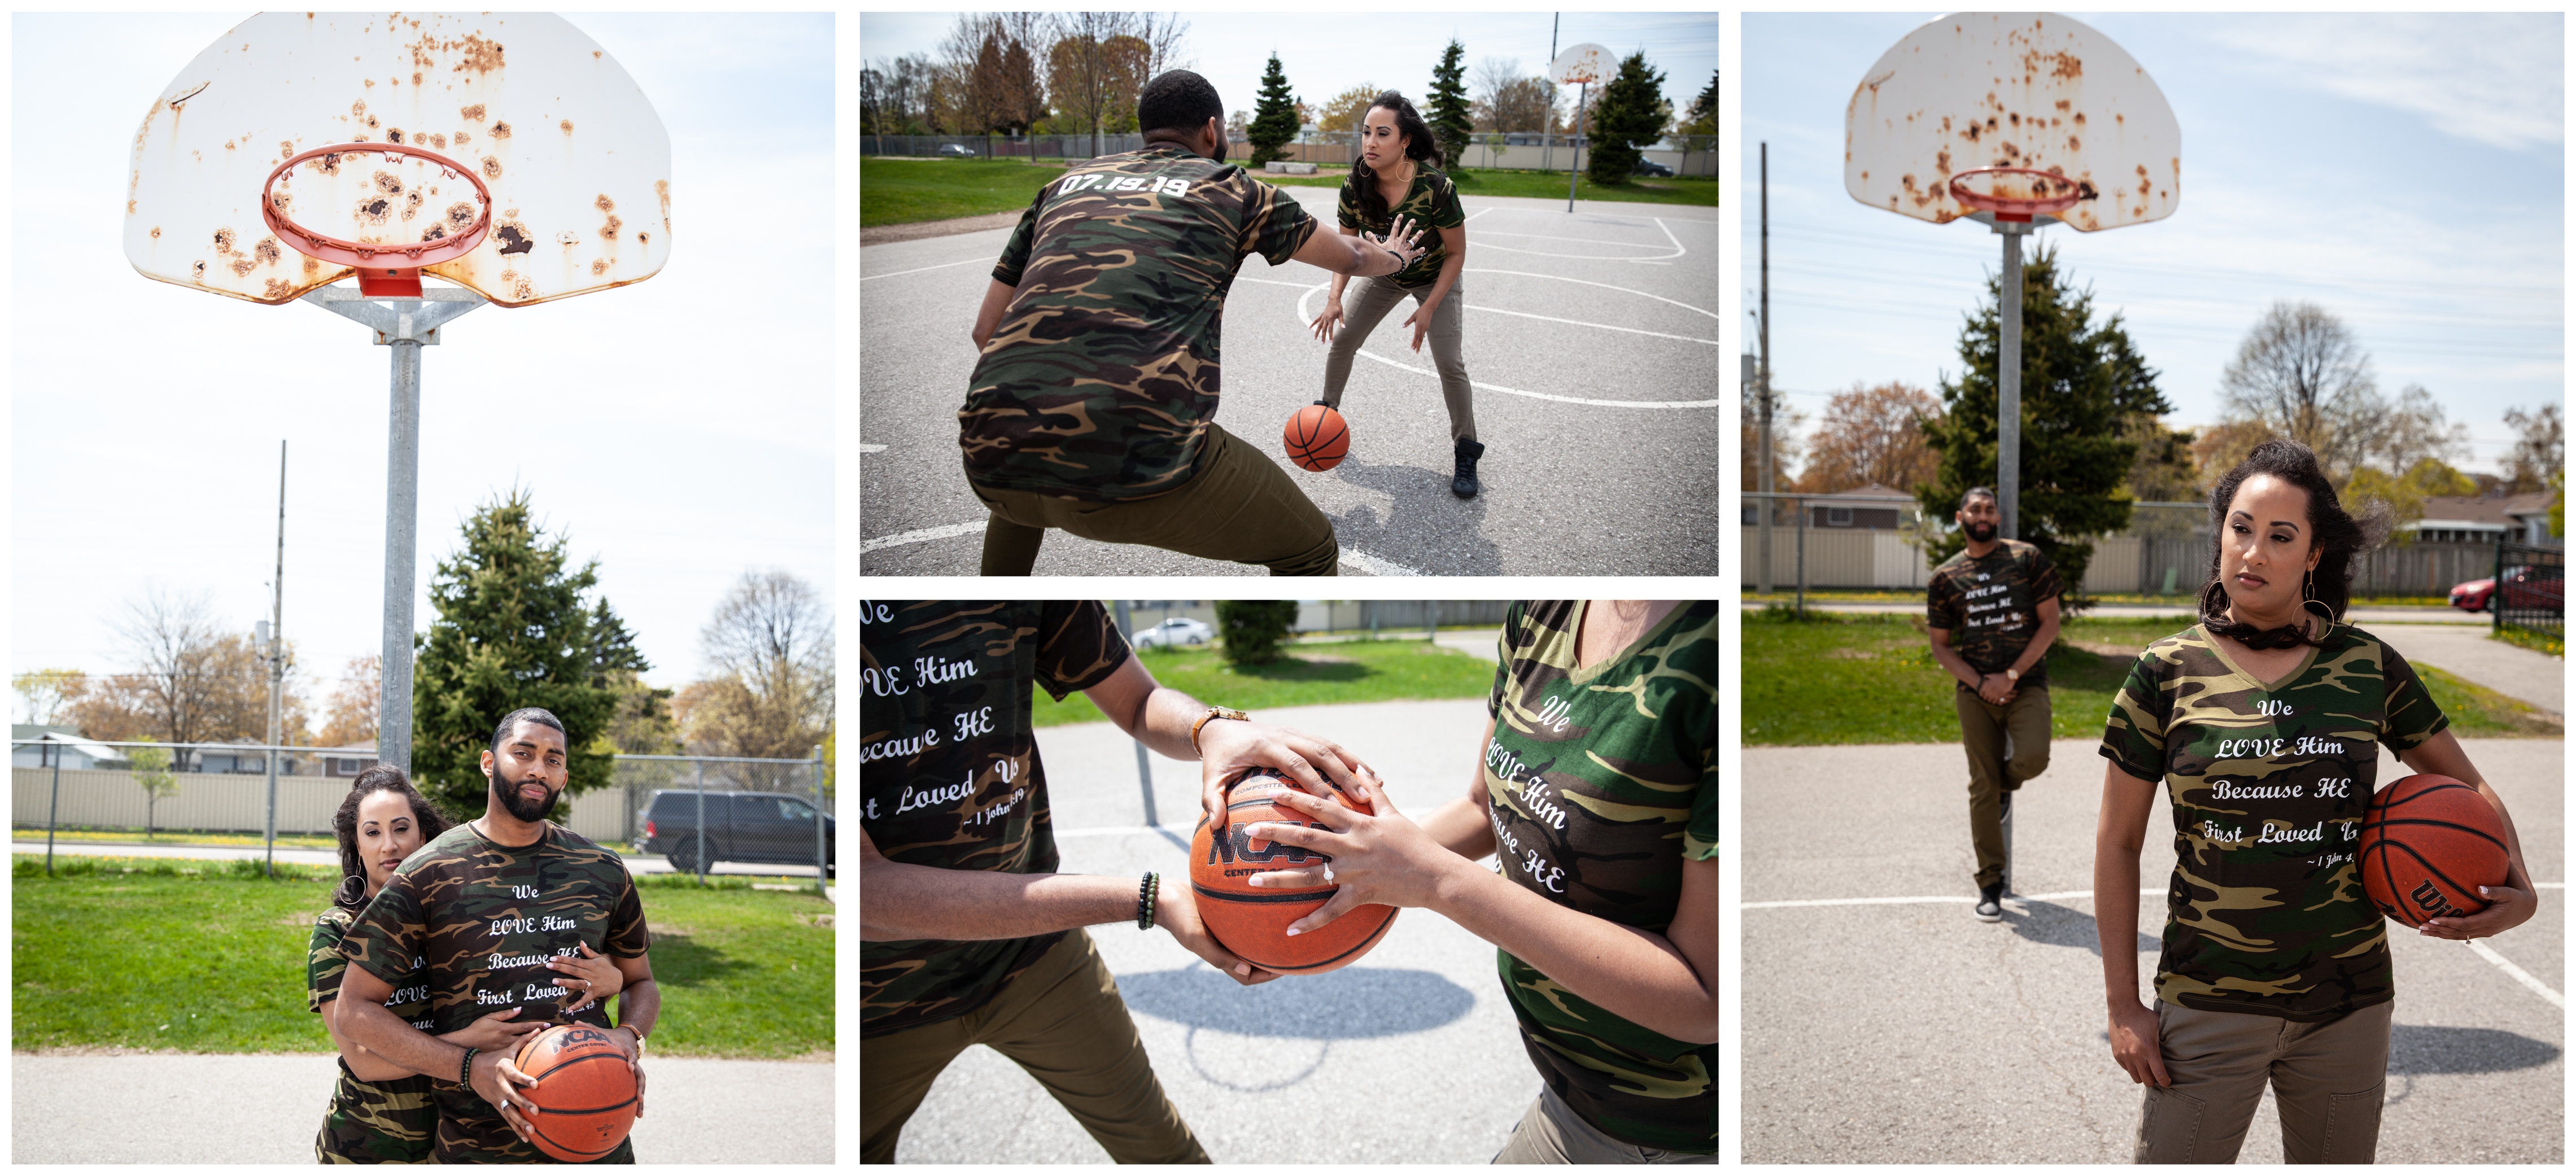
[(1418, 146), (352, 892), (2337, 534)]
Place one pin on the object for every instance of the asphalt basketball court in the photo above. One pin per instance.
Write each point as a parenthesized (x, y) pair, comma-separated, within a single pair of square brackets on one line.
[(1884, 1024), (1592, 337)]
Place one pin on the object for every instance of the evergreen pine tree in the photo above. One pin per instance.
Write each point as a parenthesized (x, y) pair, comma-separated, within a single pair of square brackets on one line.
[(2081, 384), (512, 630), (1701, 118), (1447, 109), (1630, 117), (1274, 117)]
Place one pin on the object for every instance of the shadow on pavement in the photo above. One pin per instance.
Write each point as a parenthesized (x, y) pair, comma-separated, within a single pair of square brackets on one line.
[(1254, 1034), (2062, 926), (2446, 1049), (1426, 526)]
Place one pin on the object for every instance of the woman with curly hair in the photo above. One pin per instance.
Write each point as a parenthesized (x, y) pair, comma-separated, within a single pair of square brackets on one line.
[(2264, 723), (381, 1113), (1394, 177)]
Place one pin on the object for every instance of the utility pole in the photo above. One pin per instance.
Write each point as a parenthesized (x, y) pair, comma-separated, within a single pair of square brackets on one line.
[(273, 641), (1763, 325)]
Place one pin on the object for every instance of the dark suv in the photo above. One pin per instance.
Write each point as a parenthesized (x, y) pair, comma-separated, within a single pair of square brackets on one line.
[(767, 827)]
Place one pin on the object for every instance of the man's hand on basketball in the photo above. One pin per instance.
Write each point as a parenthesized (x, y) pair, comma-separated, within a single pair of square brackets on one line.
[(1177, 910), (2136, 1043), (590, 974), (498, 1081), (2507, 908), (1384, 858), (1228, 746)]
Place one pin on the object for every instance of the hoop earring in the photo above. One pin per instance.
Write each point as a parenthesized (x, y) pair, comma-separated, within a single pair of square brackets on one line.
[(2308, 601)]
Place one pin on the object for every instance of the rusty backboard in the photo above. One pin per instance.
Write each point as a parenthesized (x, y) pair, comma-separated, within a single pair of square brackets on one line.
[(578, 163), (2018, 90)]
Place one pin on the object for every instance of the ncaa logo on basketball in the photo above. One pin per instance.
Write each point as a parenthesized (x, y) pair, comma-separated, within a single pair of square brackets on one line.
[(1237, 844)]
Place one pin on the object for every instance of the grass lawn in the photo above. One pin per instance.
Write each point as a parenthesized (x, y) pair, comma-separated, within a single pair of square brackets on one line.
[(208, 958), (2182, 605), (901, 191), (1353, 671), (1801, 679)]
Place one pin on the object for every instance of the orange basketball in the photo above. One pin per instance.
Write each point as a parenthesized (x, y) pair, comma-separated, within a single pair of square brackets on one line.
[(1253, 922), (585, 1092), (1317, 438), (2427, 843)]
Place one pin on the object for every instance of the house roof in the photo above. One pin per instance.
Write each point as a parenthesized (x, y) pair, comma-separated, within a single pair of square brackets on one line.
[(1873, 490), (2503, 511), (88, 747)]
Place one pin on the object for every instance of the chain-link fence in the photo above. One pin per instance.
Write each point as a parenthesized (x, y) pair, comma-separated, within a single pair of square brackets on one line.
[(1686, 155), (2530, 590), (766, 812)]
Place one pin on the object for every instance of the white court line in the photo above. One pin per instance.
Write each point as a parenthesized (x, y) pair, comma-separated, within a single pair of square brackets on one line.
[(924, 535), (1301, 306), (1668, 235), (923, 270), (1581, 256), (867, 448), (2515, 970), (1301, 316), (1573, 241), (1603, 285), (1361, 560)]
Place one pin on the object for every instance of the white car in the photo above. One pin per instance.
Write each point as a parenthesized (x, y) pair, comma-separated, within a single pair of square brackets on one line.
[(1175, 631)]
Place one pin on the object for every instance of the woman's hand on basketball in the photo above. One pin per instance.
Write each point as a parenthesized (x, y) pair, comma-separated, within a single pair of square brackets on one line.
[(1177, 910), (494, 1032), (594, 976), (498, 1080), (1384, 859), (2507, 908), (2137, 1044), (1228, 746), (1331, 318)]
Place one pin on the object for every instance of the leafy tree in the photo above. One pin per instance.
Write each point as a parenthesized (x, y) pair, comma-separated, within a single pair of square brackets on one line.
[(356, 705), (1275, 118), (1252, 630), (2405, 493), (1346, 111), (46, 692), (771, 646), (1631, 116), (1447, 111), (151, 767), (2080, 382), (2164, 470), (1871, 435), (513, 629), (1785, 422), (2539, 450)]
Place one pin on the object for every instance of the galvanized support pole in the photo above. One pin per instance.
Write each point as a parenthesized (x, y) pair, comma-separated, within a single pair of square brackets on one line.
[(276, 660), (1763, 386), (2008, 383), (1582, 92), (701, 863), (402, 519), (1144, 762), (822, 861)]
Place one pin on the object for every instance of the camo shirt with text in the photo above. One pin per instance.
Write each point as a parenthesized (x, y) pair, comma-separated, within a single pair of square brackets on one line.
[(2266, 912), (1991, 606), (1601, 782), (480, 920), (950, 776), (1100, 381), (1432, 202), (387, 1120)]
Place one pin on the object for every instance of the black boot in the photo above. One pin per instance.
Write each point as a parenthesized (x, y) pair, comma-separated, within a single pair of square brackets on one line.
[(1464, 483)]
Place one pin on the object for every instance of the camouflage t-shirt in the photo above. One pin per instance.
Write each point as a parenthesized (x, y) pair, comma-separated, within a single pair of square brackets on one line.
[(950, 777), (2266, 912), (1991, 606), (1099, 382), (480, 919), (324, 965), (1601, 782), (1432, 202)]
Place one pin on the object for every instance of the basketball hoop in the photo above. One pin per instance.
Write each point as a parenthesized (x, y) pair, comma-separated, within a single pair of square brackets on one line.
[(385, 270), (2020, 208)]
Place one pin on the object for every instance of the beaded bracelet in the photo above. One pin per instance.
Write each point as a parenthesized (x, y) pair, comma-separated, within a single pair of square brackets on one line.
[(465, 1069), (1145, 892)]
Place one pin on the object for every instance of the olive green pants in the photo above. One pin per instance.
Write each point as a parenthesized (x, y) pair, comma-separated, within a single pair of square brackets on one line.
[(1064, 1023), (1240, 507), (2328, 1081), (1552, 1133), (1984, 727), (1365, 301)]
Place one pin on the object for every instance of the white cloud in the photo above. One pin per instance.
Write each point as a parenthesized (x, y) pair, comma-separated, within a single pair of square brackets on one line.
[(2492, 78)]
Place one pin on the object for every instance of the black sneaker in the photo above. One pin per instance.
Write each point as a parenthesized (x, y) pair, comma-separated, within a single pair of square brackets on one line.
[(1990, 903), (1464, 483)]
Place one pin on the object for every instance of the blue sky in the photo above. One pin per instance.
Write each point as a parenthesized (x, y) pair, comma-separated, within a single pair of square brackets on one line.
[(680, 430), (2404, 171), (1325, 54)]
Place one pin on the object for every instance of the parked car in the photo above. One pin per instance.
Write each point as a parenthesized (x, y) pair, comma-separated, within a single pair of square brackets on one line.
[(1175, 631), (956, 151), (2524, 587), (771, 828), (1648, 167)]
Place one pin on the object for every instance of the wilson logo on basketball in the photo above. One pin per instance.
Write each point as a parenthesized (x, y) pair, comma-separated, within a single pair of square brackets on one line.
[(2429, 898)]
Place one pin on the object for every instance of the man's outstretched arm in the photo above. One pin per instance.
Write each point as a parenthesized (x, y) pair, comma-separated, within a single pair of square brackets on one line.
[(1361, 257)]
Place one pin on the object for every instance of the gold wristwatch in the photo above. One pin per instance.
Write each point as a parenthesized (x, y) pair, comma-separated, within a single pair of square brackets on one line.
[(2011, 674), (1214, 712)]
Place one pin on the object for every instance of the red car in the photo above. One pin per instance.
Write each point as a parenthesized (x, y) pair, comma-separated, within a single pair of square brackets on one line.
[(2525, 587)]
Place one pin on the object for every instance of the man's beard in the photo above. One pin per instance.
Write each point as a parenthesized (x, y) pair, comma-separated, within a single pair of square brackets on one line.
[(522, 808), (1981, 532)]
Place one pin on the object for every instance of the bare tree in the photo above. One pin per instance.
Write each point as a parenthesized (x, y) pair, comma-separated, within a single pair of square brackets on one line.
[(354, 705), (2411, 430), (1872, 435), (179, 685), (771, 646), (2539, 448), (2302, 375)]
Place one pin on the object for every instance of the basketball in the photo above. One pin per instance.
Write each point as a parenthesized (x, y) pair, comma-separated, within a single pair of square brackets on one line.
[(2427, 844), (1253, 922), (1317, 439), (585, 1093)]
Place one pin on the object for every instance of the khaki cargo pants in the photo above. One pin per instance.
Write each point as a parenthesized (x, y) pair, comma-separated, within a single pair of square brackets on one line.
[(1240, 507), (1983, 727), (1064, 1023), (2328, 1079)]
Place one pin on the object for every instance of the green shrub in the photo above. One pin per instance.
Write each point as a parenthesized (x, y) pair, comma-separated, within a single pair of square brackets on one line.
[(1253, 629)]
